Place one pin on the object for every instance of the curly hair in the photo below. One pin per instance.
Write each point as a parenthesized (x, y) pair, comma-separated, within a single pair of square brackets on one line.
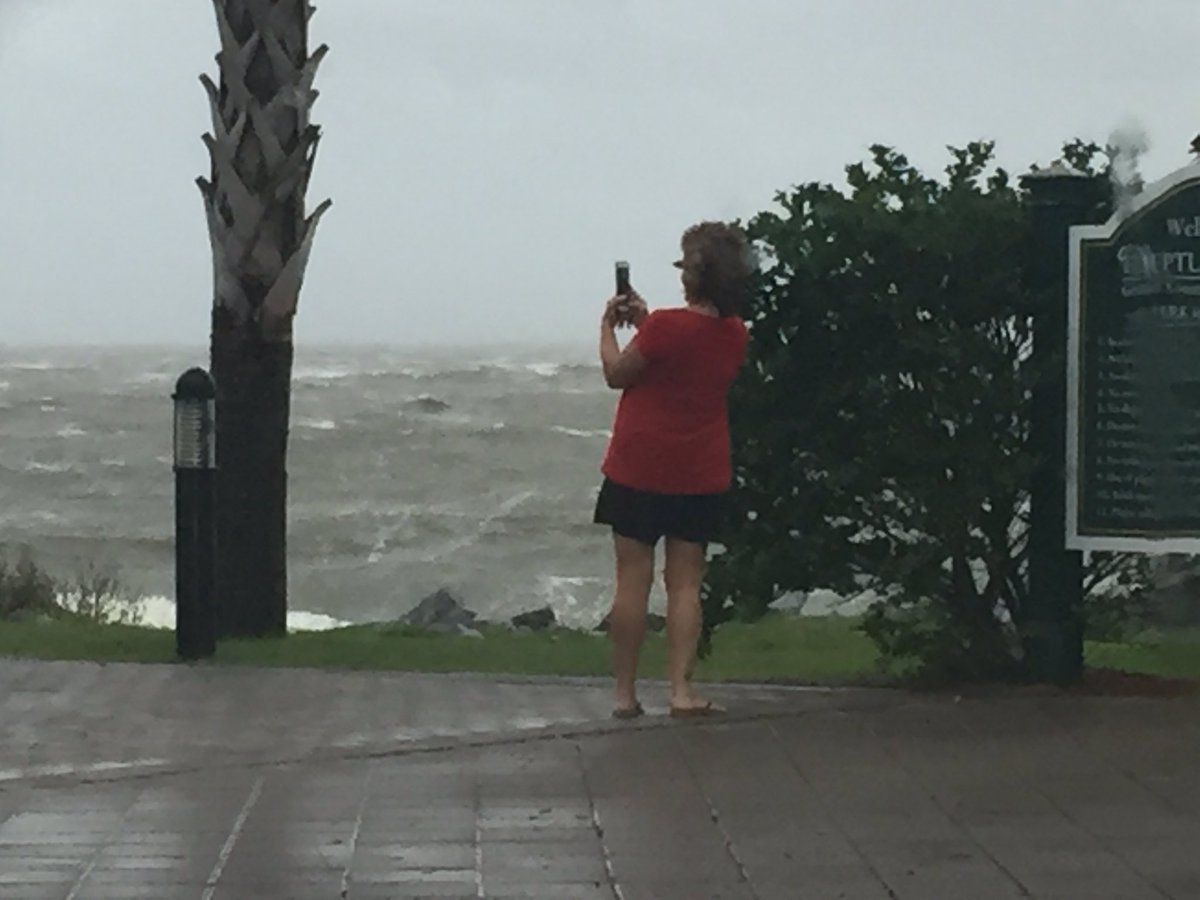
[(717, 264)]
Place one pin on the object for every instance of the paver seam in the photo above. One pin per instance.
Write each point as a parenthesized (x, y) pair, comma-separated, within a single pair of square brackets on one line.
[(354, 834), (1104, 843), (965, 830), (1074, 820), (235, 833), (31, 663), (715, 816), (831, 814), (105, 773), (477, 801), (106, 842), (1131, 776), (598, 826)]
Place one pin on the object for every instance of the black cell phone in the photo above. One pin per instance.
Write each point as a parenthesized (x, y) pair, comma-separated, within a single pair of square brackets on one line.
[(622, 268)]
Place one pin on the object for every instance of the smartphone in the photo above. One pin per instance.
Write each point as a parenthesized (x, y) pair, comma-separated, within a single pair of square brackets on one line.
[(622, 269)]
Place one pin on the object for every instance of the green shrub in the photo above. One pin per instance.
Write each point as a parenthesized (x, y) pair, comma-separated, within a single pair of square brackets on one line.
[(95, 594), (881, 426), (26, 591)]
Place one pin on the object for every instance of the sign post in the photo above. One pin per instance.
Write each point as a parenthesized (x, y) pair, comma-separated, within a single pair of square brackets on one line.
[(1133, 400), (1059, 197)]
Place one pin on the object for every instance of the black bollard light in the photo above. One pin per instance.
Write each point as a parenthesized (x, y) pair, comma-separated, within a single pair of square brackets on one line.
[(195, 515)]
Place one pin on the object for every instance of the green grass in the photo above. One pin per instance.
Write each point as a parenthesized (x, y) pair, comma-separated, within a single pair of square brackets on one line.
[(1173, 655), (781, 649), (69, 638), (777, 649)]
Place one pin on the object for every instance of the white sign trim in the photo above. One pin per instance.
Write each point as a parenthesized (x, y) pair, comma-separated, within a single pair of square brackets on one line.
[(1079, 234)]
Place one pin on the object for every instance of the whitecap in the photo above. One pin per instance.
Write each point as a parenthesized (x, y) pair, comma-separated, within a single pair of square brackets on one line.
[(114, 463), (573, 597), (300, 620), (71, 431), (31, 366), (574, 580), (582, 433), (48, 468), (318, 424), (321, 373), (157, 611), (541, 369)]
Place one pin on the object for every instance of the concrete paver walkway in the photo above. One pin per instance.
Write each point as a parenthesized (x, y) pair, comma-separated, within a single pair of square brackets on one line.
[(163, 782)]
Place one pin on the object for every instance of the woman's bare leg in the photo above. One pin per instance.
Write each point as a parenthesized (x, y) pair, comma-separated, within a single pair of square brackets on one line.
[(627, 622), (684, 574)]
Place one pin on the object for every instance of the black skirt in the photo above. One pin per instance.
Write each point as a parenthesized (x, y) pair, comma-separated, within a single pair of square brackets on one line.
[(646, 516)]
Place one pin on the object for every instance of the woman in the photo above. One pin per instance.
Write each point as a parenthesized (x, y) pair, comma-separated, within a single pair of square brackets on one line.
[(668, 467)]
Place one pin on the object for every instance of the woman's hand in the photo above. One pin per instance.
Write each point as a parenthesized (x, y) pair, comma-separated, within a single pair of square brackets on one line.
[(636, 309), (614, 312), (625, 310)]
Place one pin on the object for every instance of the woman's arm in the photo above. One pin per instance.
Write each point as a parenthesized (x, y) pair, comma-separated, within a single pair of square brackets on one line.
[(622, 368)]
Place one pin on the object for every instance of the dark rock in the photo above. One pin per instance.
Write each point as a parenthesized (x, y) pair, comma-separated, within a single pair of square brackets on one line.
[(535, 619), (654, 622), (440, 611)]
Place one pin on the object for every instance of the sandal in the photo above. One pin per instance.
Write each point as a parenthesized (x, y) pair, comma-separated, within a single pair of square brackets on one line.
[(708, 708), (628, 712)]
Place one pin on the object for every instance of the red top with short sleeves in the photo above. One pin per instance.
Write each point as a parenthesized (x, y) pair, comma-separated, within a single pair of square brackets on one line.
[(671, 433)]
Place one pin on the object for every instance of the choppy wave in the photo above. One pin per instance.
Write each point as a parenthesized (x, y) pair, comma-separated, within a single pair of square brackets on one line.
[(54, 468), (583, 432), (157, 611), (542, 369), (485, 499), (317, 424), (323, 373)]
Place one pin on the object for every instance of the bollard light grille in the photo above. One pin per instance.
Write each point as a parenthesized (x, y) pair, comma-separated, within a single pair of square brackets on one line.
[(195, 421)]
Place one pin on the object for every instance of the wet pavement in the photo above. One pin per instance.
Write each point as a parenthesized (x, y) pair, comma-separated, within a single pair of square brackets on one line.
[(130, 782)]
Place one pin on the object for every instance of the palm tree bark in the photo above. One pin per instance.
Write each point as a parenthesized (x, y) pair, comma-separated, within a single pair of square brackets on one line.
[(262, 149)]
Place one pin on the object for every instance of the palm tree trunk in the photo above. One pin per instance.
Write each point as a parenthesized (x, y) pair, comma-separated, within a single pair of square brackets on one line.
[(262, 149)]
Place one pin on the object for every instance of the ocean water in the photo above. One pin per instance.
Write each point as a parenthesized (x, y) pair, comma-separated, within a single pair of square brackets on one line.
[(473, 469)]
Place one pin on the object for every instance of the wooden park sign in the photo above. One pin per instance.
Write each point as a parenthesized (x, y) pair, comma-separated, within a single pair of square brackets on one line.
[(1133, 401)]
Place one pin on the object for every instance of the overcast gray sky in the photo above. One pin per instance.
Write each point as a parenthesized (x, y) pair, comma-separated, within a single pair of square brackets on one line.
[(489, 160)]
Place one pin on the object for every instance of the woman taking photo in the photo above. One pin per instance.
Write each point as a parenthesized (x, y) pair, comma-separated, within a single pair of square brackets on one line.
[(667, 468)]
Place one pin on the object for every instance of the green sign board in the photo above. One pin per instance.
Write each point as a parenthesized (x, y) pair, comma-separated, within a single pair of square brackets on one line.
[(1133, 436)]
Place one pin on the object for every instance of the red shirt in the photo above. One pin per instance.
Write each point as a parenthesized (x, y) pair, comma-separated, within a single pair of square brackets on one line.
[(671, 433)]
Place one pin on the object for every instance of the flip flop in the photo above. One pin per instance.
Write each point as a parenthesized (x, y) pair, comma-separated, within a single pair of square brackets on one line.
[(695, 712), (628, 712)]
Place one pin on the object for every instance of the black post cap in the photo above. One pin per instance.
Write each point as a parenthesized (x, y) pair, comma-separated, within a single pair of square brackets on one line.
[(195, 384)]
